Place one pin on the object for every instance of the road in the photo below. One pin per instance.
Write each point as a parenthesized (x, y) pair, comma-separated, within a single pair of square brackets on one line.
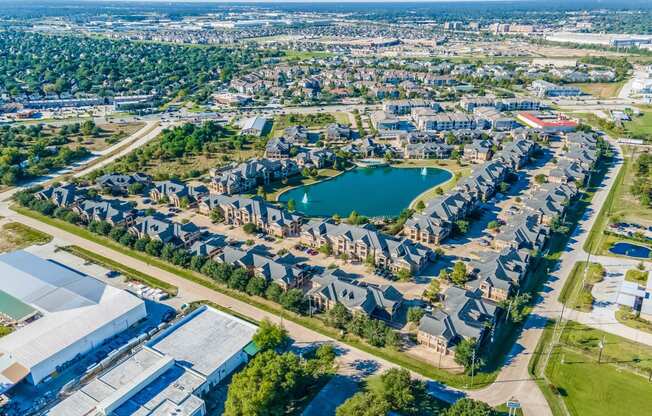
[(513, 380), (99, 159)]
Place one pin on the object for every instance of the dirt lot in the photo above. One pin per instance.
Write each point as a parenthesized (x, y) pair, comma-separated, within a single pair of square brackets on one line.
[(110, 133), (16, 236)]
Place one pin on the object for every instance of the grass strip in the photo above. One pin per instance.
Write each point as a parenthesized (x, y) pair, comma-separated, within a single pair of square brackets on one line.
[(128, 272), (593, 239), (396, 357)]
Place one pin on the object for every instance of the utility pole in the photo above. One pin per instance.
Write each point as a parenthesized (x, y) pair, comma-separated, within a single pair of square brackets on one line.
[(601, 345), (472, 367)]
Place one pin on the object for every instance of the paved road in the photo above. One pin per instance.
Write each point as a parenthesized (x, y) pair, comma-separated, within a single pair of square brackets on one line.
[(137, 139), (513, 381)]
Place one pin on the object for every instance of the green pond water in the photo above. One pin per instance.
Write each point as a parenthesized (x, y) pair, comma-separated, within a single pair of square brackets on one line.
[(373, 192)]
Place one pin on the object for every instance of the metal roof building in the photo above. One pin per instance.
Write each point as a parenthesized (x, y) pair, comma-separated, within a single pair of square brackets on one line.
[(75, 313), (170, 373)]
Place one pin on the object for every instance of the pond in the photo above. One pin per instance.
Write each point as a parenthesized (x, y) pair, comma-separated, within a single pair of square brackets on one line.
[(372, 191), (631, 250)]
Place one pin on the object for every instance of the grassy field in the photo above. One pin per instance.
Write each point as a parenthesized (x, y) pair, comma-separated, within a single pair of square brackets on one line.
[(636, 276), (612, 205), (129, 273), (617, 385), (311, 121), (303, 55), (341, 117), (620, 205), (16, 236), (110, 133), (577, 295), (641, 125), (601, 89), (574, 379)]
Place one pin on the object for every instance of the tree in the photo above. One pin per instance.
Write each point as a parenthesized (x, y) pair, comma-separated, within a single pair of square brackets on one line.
[(493, 225), (364, 404), (517, 307), (292, 205), (396, 392), (136, 188), (404, 275), (459, 275), (266, 386), (462, 226), (239, 279), (415, 314), (469, 407), (273, 292), (326, 249), (540, 179), (217, 215), (256, 286), (338, 316), (420, 205), (292, 300), (261, 192), (117, 233), (250, 228), (87, 127), (464, 353), (154, 247), (197, 262), (439, 191), (270, 336)]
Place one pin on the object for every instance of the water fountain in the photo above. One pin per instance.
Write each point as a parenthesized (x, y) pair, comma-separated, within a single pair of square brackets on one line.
[(304, 200), (424, 171)]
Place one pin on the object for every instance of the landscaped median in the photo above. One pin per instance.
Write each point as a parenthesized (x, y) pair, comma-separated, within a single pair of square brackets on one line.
[(576, 293), (412, 363)]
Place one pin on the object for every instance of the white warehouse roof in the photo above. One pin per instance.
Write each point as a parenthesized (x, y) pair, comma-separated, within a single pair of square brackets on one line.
[(79, 312)]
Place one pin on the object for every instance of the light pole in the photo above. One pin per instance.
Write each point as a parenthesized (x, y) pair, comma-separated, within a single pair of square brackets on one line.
[(601, 345)]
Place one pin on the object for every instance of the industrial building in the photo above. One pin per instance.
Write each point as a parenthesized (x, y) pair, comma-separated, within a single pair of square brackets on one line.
[(170, 373), (59, 313), (547, 122)]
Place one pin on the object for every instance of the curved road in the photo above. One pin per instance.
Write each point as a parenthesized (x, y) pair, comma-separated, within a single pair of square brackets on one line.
[(513, 381)]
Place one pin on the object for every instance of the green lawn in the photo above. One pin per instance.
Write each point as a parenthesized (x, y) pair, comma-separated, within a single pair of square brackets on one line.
[(5, 330), (16, 236), (620, 205), (641, 126), (587, 388), (626, 316), (311, 121), (636, 276), (302, 55), (591, 389)]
